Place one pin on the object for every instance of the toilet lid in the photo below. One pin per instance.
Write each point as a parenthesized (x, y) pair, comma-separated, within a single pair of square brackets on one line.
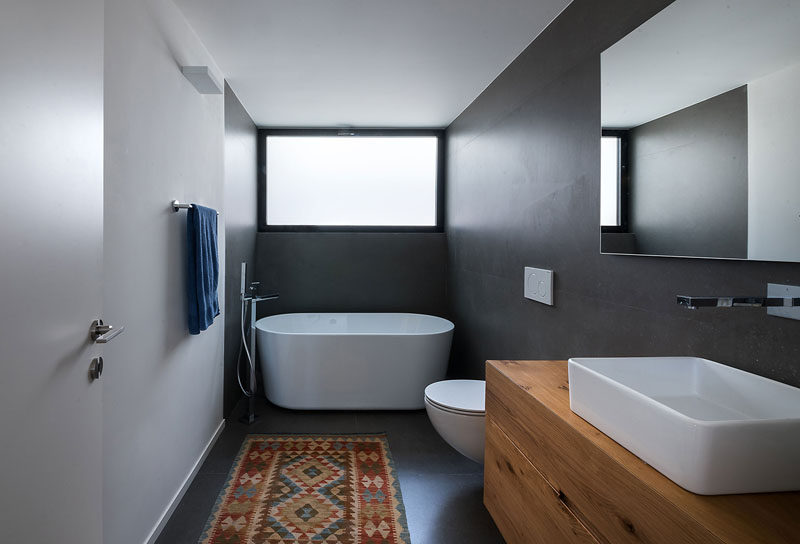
[(460, 395)]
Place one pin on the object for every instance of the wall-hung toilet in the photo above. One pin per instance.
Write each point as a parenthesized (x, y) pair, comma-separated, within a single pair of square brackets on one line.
[(457, 410)]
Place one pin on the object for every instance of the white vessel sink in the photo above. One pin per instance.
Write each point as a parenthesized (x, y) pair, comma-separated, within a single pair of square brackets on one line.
[(709, 428)]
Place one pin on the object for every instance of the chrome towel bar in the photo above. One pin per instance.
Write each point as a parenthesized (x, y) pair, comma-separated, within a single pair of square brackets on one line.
[(177, 206)]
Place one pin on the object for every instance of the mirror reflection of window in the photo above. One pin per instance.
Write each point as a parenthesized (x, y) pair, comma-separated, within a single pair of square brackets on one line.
[(610, 174)]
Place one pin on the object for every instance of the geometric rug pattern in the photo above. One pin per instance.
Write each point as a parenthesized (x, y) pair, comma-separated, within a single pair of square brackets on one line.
[(310, 489)]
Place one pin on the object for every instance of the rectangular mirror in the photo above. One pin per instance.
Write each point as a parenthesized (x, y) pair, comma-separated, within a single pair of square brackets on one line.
[(700, 149)]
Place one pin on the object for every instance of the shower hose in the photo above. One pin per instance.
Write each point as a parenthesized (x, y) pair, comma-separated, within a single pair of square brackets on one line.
[(247, 392)]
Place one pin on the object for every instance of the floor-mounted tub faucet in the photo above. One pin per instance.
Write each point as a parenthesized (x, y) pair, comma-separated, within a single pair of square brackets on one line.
[(251, 299)]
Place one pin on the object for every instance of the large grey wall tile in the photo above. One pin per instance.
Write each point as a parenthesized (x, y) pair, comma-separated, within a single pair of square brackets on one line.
[(240, 227), (353, 272)]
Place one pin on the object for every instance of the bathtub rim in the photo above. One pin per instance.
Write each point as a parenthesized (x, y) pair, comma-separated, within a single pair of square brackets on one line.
[(451, 325)]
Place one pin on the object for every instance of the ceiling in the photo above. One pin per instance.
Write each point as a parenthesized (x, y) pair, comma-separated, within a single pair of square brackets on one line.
[(364, 63), (692, 51)]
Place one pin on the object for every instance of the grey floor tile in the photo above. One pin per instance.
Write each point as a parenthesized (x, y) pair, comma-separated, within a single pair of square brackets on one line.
[(224, 452), (189, 519), (447, 509)]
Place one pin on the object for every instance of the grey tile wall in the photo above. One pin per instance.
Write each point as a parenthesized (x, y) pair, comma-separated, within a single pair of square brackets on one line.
[(240, 228), (353, 272), (688, 188)]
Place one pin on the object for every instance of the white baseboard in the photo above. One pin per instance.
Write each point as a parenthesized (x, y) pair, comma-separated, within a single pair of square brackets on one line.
[(173, 504)]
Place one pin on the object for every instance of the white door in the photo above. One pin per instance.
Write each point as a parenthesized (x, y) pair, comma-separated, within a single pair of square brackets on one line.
[(51, 235)]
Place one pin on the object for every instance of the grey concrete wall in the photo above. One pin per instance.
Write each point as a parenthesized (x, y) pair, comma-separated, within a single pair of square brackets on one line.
[(353, 272), (524, 188), (688, 172), (240, 228)]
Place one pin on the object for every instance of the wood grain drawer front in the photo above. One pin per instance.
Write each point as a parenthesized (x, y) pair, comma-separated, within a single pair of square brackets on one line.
[(525, 507), (613, 505)]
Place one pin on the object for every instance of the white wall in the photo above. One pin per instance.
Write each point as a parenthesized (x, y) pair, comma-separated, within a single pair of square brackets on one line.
[(773, 131), (162, 387)]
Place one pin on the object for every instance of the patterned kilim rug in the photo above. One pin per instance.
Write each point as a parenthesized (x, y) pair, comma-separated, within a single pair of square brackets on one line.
[(298, 489)]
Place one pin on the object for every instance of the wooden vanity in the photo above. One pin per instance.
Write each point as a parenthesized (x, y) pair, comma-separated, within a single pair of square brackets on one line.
[(551, 477)]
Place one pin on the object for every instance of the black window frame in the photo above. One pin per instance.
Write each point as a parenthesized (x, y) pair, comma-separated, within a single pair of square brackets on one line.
[(261, 157), (624, 179)]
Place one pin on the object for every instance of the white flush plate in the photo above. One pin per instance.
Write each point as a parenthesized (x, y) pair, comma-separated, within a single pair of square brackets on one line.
[(780, 290), (539, 285)]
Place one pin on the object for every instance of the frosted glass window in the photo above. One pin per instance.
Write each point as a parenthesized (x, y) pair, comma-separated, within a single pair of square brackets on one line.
[(351, 180), (609, 181)]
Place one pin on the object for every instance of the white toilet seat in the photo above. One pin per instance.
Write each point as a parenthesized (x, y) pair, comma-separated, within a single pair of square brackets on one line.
[(451, 411), (458, 396)]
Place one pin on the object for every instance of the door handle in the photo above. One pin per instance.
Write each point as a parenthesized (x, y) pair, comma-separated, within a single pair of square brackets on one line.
[(101, 333)]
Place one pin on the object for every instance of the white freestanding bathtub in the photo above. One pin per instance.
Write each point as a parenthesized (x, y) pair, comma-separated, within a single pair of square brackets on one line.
[(357, 361)]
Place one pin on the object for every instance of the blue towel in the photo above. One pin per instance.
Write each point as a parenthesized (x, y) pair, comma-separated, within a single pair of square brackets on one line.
[(202, 271)]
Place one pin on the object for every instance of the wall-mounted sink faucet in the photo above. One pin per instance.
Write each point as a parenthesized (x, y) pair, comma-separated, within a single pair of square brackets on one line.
[(781, 301), (734, 302)]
